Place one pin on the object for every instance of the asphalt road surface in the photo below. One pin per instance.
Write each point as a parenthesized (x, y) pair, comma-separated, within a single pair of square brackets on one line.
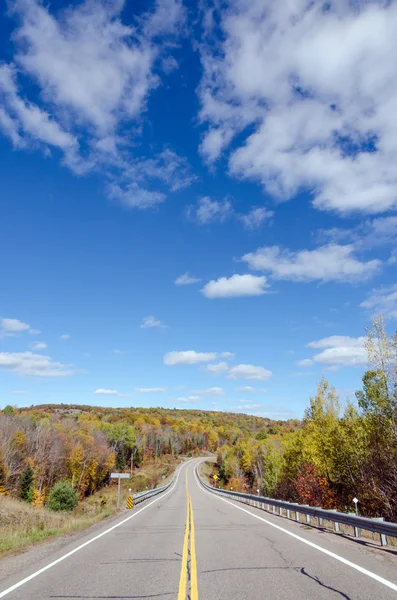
[(190, 543)]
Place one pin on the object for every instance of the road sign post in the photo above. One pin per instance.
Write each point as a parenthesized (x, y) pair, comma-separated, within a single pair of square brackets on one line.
[(119, 476), (355, 500)]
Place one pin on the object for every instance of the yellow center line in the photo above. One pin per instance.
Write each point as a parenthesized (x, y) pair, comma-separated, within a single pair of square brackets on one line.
[(189, 528), (193, 561), (183, 577)]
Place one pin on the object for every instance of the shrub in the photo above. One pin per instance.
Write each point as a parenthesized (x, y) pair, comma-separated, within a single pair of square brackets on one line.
[(62, 497)]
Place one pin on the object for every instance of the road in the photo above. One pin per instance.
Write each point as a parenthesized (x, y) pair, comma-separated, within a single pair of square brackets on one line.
[(217, 550)]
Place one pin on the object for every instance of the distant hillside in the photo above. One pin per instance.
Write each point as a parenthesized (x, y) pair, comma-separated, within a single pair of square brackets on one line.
[(84, 443)]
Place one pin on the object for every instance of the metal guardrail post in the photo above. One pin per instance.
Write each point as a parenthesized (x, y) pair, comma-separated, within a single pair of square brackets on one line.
[(377, 525), (383, 537)]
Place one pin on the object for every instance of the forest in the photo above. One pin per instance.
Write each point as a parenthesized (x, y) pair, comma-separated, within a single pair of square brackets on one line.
[(42, 445), (334, 454), (338, 452)]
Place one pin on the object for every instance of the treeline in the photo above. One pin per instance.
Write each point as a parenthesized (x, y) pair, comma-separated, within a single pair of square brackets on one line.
[(42, 445), (336, 454)]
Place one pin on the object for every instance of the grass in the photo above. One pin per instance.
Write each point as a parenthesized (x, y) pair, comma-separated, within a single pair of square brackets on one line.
[(23, 525)]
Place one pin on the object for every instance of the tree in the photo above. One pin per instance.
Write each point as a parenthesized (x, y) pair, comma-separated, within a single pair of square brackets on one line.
[(8, 410), (62, 497), (26, 487)]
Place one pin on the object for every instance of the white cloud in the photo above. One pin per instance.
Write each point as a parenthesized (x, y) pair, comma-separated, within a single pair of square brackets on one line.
[(118, 351), (207, 211), (315, 89), (188, 399), (19, 393), (255, 218), (251, 390), (64, 337), (104, 392), (249, 372), (34, 331), (39, 346), (213, 391), (188, 357), (151, 321), (11, 326), (247, 406), (337, 351), (331, 262), (306, 362), (371, 233), (383, 301), (94, 75), (227, 355), (167, 168), (186, 279), (157, 390), (217, 368), (35, 365), (210, 211), (235, 286)]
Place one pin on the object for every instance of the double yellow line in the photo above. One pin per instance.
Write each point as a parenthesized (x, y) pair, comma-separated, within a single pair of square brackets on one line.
[(185, 570)]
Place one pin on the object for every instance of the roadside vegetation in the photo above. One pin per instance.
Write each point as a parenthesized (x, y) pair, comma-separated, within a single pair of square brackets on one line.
[(23, 523), (338, 452)]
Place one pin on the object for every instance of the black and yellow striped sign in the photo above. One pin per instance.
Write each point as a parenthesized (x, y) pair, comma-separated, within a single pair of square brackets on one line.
[(130, 502)]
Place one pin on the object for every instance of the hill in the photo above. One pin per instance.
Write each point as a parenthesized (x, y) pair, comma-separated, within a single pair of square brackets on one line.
[(82, 444)]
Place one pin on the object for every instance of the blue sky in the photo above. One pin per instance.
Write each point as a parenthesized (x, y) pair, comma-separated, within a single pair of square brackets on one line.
[(198, 205)]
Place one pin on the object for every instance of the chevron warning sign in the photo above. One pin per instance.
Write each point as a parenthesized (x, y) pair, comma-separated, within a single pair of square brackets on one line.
[(130, 502)]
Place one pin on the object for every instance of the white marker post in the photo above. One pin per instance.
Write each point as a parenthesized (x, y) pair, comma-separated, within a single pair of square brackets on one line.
[(355, 500), (119, 476)]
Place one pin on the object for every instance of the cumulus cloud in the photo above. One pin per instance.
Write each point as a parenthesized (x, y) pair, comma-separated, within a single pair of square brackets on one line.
[(235, 286), (337, 351), (188, 357), (331, 262), (383, 301), (210, 211), (247, 406), (217, 368), (186, 279), (34, 365), (13, 325), (94, 75), (255, 217), (249, 372), (151, 321), (213, 391), (188, 399), (311, 91), (64, 337), (39, 346), (157, 390), (250, 390), (207, 211), (227, 354), (371, 233)]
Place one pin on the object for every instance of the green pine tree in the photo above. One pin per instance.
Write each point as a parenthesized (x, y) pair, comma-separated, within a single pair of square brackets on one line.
[(26, 481)]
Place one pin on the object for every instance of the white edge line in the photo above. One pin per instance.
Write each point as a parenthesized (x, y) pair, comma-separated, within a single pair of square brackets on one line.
[(58, 560), (378, 578)]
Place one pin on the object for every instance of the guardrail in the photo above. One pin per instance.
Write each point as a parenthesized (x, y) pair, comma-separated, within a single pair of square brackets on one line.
[(377, 525), (149, 493)]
